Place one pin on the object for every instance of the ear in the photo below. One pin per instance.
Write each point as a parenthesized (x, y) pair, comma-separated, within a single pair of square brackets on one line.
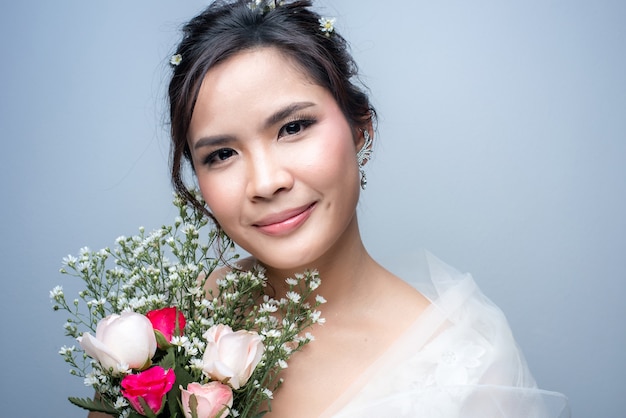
[(359, 137)]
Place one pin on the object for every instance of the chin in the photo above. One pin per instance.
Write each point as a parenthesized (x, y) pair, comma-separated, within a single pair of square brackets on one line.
[(289, 261)]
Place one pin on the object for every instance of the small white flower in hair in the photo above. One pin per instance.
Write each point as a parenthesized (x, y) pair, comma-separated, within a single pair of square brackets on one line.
[(176, 59), (327, 25), (255, 4)]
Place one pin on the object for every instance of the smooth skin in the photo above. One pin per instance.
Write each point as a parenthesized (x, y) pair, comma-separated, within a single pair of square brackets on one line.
[(275, 159)]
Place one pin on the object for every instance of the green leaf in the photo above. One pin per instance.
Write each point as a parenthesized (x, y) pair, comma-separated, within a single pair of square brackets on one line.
[(169, 360), (146, 408), (161, 341), (94, 405), (183, 378), (193, 406)]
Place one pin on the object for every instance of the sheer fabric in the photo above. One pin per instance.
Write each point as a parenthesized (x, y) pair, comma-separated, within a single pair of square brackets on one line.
[(458, 359)]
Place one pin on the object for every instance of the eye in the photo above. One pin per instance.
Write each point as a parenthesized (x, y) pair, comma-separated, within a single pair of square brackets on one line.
[(219, 156), (295, 127)]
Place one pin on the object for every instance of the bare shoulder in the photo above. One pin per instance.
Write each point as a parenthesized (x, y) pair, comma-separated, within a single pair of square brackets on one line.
[(399, 300), (245, 264)]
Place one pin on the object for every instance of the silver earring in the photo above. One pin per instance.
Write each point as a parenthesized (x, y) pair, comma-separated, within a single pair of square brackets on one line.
[(363, 156)]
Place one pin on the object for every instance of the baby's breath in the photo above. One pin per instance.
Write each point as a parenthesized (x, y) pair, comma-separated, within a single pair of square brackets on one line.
[(168, 267)]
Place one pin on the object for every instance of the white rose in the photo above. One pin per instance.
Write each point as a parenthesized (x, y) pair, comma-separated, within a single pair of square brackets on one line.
[(126, 339), (230, 356)]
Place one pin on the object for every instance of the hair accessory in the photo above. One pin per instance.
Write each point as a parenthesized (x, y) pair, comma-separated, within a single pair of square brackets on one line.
[(264, 6), (363, 156), (176, 60), (327, 25)]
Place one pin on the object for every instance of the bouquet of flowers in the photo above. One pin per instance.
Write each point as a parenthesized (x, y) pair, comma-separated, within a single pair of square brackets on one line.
[(156, 339)]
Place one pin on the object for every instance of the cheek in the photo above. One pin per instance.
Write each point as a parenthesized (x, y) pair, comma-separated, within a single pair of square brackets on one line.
[(333, 159), (220, 195)]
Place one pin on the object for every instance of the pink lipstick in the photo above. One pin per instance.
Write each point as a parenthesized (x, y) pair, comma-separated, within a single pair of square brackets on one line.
[(285, 222)]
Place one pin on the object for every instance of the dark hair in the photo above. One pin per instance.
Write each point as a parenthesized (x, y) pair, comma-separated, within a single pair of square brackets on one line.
[(226, 28)]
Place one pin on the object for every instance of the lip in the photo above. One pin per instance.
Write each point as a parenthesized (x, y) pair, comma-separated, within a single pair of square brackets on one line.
[(285, 222)]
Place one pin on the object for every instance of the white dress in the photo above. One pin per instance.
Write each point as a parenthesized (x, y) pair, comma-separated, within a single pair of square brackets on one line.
[(458, 360)]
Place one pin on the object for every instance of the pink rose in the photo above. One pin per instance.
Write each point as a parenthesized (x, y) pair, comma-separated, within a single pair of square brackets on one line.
[(212, 399), (151, 385), (231, 357), (126, 339), (167, 321)]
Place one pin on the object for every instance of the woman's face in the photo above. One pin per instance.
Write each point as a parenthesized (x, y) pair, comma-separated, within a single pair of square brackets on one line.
[(275, 160)]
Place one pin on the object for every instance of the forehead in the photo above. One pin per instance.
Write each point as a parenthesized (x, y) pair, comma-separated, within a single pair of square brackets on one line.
[(253, 82), (252, 67)]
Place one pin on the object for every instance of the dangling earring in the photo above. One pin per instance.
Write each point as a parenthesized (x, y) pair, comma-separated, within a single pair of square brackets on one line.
[(363, 156)]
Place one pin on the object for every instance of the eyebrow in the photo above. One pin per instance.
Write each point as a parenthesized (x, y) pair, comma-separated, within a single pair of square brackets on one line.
[(213, 141), (273, 119), (286, 111)]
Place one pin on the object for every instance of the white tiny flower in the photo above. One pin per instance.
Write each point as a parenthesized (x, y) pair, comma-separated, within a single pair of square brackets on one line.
[(293, 296), (272, 333), (65, 349), (69, 260), (320, 299), (180, 341), (266, 307), (287, 348), (56, 293), (268, 393), (121, 368), (196, 364), (196, 291), (327, 25), (314, 283), (120, 403), (316, 317), (291, 282), (282, 363), (255, 4), (91, 379)]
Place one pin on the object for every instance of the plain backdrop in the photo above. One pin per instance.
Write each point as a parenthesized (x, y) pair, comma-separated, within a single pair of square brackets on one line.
[(500, 148)]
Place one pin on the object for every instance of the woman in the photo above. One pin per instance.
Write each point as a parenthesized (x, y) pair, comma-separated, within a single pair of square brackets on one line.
[(264, 107)]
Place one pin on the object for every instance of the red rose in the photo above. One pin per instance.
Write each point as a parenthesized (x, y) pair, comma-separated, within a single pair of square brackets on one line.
[(164, 320), (151, 385)]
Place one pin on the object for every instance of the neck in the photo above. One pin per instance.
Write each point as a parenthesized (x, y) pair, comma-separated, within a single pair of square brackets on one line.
[(346, 271)]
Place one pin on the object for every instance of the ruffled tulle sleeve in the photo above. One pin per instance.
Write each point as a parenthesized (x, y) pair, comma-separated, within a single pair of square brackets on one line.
[(458, 360)]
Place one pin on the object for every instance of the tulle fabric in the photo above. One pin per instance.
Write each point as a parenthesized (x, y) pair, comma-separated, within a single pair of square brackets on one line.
[(458, 359)]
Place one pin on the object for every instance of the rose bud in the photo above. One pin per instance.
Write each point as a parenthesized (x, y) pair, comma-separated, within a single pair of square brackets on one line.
[(168, 322), (231, 357), (150, 385), (212, 398), (126, 339)]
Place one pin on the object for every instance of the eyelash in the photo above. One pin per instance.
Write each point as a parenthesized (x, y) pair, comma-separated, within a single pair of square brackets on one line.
[(302, 121), (212, 158)]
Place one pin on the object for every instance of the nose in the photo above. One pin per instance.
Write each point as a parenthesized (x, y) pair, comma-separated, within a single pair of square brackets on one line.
[(268, 175)]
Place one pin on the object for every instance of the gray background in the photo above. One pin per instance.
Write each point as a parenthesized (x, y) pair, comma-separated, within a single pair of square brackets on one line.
[(501, 149)]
